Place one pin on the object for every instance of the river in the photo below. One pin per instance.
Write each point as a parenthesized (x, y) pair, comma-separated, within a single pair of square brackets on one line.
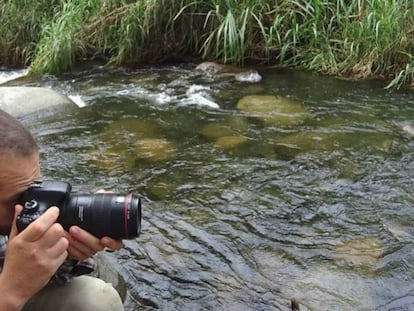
[(243, 208)]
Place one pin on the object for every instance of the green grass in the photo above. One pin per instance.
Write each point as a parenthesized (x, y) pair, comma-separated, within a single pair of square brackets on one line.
[(354, 38)]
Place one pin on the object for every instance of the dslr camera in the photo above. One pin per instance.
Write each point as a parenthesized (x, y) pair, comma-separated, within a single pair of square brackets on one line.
[(101, 214)]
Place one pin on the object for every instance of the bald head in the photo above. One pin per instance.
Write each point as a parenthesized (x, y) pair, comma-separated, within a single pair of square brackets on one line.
[(15, 138)]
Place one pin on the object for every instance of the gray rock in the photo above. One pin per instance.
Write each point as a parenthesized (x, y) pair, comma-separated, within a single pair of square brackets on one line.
[(6, 76), (251, 76), (107, 271), (23, 100), (227, 71), (409, 130), (210, 67)]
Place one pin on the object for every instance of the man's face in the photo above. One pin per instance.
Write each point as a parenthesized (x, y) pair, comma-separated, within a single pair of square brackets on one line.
[(16, 175)]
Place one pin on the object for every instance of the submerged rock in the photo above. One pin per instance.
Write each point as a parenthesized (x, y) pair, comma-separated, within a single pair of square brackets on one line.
[(232, 126), (226, 134), (348, 169), (331, 141), (275, 110), (112, 158), (216, 130), (229, 142), (162, 187), (325, 288), (155, 149), (122, 155), (116, 145), (130, 129), (309, 141), (359, 252)]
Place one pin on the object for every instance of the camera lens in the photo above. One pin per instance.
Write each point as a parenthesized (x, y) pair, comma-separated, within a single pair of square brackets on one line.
[(104, 214)]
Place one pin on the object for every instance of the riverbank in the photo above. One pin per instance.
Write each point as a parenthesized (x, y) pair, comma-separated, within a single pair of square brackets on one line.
[(356, 39)]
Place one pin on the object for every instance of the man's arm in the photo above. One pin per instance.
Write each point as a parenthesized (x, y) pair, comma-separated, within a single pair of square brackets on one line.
[(32, 257)]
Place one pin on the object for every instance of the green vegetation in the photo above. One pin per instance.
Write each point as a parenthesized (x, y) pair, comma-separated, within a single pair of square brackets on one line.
[(353, 38)]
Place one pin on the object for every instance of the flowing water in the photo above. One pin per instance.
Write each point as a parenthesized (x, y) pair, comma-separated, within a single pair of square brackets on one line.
[(244, 209)]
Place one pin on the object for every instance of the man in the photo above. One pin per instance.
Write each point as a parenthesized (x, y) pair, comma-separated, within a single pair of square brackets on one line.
[(40, 267)]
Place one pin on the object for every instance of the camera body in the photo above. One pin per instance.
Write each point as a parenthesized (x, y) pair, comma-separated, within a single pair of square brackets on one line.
[(101, 214), (39, 197)]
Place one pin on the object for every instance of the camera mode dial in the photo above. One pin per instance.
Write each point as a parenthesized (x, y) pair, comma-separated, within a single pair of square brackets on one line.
[(31, 206), (29, 214)]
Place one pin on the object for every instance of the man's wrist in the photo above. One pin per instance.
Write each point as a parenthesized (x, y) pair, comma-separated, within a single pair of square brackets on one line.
[(10, 300)]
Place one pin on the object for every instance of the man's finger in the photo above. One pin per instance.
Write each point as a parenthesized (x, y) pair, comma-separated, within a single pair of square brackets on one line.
[(37, 228), (111, 243), (83, 237)]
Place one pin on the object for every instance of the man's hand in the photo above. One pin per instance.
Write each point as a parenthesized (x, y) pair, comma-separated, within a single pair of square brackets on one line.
[(83, 245), (32, 257)]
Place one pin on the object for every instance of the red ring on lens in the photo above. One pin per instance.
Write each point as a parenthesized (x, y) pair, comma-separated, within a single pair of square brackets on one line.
[(127, 202)]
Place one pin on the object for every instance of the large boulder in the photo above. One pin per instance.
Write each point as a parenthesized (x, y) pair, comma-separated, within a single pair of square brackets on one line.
[(22, 100)]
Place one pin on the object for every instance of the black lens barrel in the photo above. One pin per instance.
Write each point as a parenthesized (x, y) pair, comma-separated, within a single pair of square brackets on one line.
[(104, 214)]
